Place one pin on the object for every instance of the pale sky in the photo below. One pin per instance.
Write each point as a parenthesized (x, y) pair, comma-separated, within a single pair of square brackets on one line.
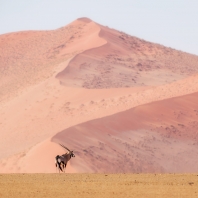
[(172, 23)]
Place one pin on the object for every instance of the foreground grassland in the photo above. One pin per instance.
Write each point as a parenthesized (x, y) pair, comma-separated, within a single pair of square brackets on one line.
[(98, 185)]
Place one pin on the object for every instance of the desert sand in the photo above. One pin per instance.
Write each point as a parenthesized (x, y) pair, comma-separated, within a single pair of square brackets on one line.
[(124, 105), (98, 185)]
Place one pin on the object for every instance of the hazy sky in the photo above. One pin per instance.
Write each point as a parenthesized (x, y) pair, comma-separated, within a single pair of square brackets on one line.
[(173, 23)]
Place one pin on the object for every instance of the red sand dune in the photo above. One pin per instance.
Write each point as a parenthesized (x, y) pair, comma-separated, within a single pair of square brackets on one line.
[(156, 137), (52, 81)]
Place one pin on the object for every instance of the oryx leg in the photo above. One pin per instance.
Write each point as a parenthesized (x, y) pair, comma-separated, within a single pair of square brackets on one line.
[(56, 166), (65, 164), (58, 163)]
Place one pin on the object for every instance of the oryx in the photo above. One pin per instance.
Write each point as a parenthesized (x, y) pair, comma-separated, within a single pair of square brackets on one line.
[(61, 160)]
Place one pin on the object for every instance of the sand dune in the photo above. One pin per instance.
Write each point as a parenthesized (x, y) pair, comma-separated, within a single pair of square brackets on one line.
[(52, 81), (157, 137)]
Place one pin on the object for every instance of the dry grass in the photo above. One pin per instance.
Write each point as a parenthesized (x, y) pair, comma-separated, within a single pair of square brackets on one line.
[(98, 185)]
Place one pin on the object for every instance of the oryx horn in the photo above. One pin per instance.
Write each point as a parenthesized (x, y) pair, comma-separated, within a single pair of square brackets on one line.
[(65, 147)]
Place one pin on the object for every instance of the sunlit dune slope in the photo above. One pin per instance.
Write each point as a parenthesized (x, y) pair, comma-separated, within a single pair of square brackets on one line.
[(157, 137), (28, 58)]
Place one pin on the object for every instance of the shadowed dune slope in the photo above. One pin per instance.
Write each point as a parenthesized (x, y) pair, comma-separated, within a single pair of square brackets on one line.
[(127, 61), (157, 137)]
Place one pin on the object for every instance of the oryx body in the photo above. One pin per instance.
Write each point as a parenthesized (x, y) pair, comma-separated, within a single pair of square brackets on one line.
[(61, 160)]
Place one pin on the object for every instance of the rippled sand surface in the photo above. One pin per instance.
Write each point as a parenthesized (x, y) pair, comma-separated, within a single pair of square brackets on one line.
[(98, 185)]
